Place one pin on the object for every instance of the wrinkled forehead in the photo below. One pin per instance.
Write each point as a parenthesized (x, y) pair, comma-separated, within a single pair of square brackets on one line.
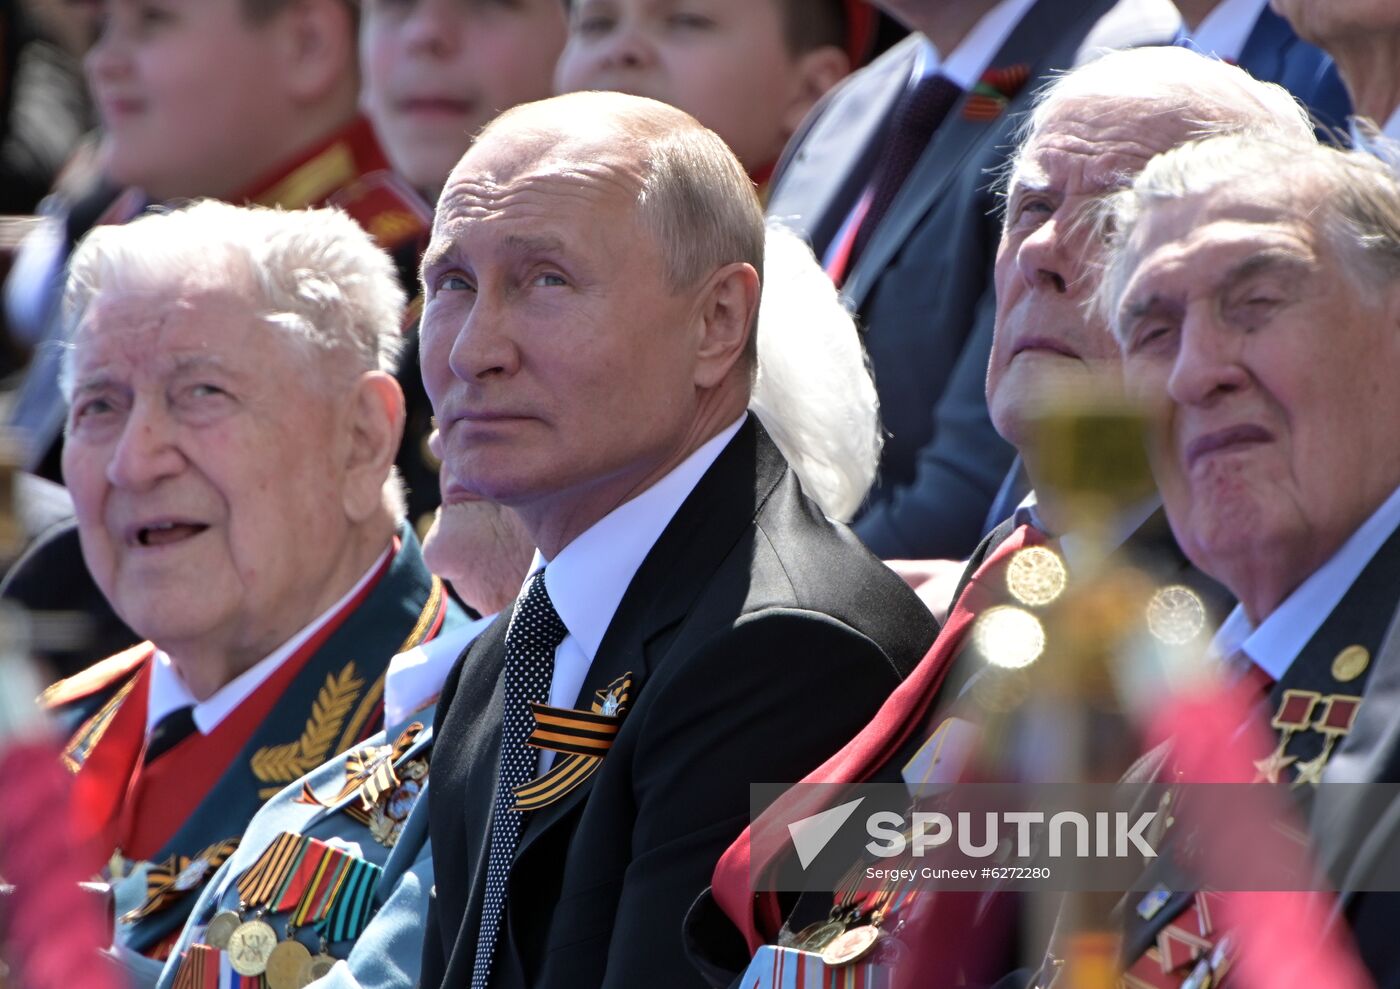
[(156, 331), (1096, 146)]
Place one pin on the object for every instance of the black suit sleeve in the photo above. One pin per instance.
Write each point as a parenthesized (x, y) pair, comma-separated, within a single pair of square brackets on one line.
[(959, 470), (766, 701)]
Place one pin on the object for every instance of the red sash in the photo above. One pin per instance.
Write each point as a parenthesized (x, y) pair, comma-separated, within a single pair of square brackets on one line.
[(758, 915)]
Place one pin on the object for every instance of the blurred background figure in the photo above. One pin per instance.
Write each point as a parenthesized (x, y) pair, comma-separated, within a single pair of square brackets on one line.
[(242, 100), (434, 73), (1252, 35), (889, 182), (1364, 37), (45, 109), (750, 70)]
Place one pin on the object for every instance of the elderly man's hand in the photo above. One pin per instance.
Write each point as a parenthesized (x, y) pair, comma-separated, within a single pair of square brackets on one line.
[(933, 580)]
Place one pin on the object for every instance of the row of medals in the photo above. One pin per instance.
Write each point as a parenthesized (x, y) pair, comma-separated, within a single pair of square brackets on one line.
[(254, 949)]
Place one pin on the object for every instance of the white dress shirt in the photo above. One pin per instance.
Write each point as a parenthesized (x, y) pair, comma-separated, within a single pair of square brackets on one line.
[(588, 578), (414, 678), (964, 66), (1283, 633), (169, 693), (1226, 28)]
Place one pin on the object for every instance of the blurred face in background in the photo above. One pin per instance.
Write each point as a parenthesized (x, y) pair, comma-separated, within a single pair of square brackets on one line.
[(188, 91), (436, 71), (727, 63)]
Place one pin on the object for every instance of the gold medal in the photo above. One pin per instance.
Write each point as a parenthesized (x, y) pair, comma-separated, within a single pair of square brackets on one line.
[(1350, 663), (815, 937), (223, 925), (317, 968), (286, 966), (851, 946), (251, 946)]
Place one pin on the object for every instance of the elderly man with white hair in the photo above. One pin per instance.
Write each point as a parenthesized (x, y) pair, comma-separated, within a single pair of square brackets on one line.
[(231, 432), (1256, 297)]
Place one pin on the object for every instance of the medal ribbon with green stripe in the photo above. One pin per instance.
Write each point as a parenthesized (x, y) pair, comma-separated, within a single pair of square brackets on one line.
[(583, 738), (177, 876)]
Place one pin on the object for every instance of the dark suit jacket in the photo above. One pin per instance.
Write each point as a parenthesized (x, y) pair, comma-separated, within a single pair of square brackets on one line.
[(1355, 830), (1274, 53), (759, 637), (922, 288)]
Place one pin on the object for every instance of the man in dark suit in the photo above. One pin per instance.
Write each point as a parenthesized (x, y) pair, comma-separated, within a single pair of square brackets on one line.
[(890, 178), (1260, 313), (692, 623), (1250, 34), (1091, 131)]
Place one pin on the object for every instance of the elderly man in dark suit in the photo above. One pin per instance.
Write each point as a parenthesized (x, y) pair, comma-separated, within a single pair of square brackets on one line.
[(891, 179), (1257, 304), (691, 623)]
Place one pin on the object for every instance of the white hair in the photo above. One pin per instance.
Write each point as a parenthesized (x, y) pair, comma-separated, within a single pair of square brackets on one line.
[(1212, 97), (1351, 196), (813, 390), (318, 275)]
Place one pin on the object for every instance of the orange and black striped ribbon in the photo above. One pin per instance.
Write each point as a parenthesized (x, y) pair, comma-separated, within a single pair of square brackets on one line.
[(370, 773), (162, 879), (582, 737), (199, 968), (268, 877)]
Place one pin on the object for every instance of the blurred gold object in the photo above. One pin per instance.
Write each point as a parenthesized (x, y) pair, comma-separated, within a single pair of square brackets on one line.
[(1175, 615), (1091, 961), (11, 532), (1036, 576)]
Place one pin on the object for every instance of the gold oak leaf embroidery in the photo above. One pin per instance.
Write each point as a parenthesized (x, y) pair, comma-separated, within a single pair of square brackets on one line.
[(281, 764)]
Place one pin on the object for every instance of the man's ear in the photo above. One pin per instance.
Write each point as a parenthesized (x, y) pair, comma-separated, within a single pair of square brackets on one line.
[(729, 305), (375, 418), (816, 72), (316, 45)]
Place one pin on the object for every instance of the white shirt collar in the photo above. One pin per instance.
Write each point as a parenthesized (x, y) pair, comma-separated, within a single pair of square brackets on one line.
[(587, 579), (1073, 546), (414, 678), (168, 691), (974, 54), (1225, 29), (1283, 633)]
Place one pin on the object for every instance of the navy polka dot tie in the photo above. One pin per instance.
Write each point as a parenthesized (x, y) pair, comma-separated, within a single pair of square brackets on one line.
[(535, 632)]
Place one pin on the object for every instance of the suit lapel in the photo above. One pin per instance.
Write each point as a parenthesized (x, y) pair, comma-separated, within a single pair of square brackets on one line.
[(1266, 49), (844, 140), (702, 534), (958, 136)]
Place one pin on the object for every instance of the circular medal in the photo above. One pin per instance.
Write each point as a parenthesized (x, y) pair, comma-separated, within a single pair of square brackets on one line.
[(251, 946), (191, 875), (852, 946), (286, 964), (1350, 663), (815, 937), (317, 968), (223, 925)]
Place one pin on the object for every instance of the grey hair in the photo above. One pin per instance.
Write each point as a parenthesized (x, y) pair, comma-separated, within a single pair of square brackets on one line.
[(1212, 97), (317, 275), (1353, 198), (813, 389)]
